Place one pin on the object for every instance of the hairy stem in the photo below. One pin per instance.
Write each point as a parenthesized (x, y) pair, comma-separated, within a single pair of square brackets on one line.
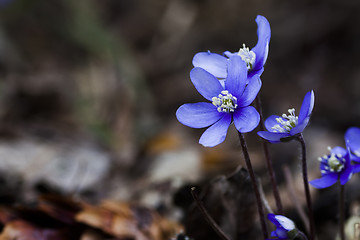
[(254, 184), (268, 160), (341, 211), (207, 217), (306, 187)]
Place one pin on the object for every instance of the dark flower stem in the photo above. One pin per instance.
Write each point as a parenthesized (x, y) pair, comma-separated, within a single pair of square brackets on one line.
[(268, 160), (254, 185), (341, 211), (306, 187), (207, 217)]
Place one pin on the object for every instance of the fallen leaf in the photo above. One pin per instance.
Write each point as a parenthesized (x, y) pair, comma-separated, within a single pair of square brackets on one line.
[(19, 229), (123, 220)]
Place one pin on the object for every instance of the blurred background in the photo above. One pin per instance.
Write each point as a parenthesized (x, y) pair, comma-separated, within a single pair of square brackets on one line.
[(89, 91)]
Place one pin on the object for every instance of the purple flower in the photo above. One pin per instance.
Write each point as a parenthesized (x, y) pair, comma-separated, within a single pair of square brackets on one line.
[(333, 167), (287, 127), (255, 58), (229, 103), (285, 228), (352, 139)]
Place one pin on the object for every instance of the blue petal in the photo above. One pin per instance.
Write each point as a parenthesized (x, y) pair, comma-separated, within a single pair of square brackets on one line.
[(282, 233), (354, 158), (255, 72), (356, 168), (216, 134), (352, 138), (237, 76), (222, 82), (251, 73), (273, 234), (206, 84), (198, 115), (251, 91), (286, 223), (211, 62), (230, 54), (262, 47), (307, 106), (272, 219), (246, 119), (346, 174), (299, 127), (273, 137), (339, 150), (271, 122), (325, 181)]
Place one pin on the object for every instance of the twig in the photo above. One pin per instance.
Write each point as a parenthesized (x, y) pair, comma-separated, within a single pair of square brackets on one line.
[(207, 216)]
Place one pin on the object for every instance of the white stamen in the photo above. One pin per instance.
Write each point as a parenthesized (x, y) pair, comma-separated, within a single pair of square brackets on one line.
[(225, 102), (286, 125), (335, 163), (247, 56)]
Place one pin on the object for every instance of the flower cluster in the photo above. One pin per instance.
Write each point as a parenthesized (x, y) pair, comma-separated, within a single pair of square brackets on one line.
[(228, 103), (255, 58), (337, 166), (286, 127), (231, 83), (333, 167)]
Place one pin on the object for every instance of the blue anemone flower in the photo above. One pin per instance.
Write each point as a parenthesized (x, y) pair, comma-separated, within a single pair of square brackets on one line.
[(333, 167), (285, 227), (287, 127), (255, 58), (229, 102), (352, 138)]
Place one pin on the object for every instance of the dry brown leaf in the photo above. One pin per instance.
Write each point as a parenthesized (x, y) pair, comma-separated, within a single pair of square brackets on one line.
[(59, 208), (6, 214), (128, 221), (162, 142), (19, 229)]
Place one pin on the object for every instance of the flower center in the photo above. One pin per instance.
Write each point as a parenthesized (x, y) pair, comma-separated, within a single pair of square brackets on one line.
[(225, 102), (286, 122), (247, 56), (333, 162)]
